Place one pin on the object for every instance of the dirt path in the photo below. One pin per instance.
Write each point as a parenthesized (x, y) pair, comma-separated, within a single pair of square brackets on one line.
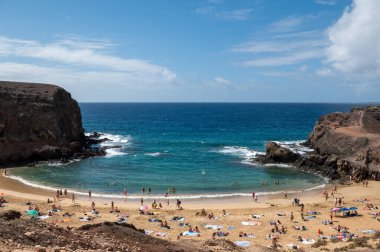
[(360, 131)]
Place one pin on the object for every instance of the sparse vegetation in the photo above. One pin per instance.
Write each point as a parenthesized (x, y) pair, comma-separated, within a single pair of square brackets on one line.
[(319, 243)]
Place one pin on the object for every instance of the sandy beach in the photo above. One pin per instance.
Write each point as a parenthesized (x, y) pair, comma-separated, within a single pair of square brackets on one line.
[(239, 211)]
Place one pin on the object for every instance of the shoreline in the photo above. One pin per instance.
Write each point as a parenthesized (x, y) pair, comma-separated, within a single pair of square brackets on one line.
[(190, 198)]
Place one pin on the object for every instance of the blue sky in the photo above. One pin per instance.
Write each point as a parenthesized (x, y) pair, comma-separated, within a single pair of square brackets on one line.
[(201, 50)]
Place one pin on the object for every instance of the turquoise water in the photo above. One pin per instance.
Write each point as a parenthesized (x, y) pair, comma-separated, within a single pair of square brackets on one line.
[(200, 149)]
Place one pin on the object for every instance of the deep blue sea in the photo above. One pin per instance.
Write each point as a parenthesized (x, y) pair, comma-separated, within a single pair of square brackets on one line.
[(198, 148)]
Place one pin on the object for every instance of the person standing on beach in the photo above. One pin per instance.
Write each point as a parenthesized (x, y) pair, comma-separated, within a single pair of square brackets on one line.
[(286, 195), (112, 206), (142, 201), (291, 216), (65, 192), (331, 217), (149, 190), (73, 198), (253, 195), (89, 194), (93, 205)]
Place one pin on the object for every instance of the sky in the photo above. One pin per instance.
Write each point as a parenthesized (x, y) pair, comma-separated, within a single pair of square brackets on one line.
[(195, 50)]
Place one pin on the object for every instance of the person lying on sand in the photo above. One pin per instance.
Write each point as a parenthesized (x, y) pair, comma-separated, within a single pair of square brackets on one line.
[(370, 207), (165, 225), (249, 235), (302, 228), (211, 216), (220, 234), (67, 214)]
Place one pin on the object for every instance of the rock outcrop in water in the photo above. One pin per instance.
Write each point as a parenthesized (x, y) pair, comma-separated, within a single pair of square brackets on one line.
[(40, 122), (344, 144)]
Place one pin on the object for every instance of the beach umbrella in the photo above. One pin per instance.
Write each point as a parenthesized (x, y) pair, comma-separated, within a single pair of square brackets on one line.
[(353, 208), (344, 209), (335, 209), (32, 212), (142, 208)]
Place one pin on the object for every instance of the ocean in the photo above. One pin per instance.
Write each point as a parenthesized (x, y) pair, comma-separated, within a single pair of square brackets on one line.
[(203, 150)]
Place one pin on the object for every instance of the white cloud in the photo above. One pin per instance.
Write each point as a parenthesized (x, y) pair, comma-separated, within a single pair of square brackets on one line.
[(325, 72), (355, 39), (288, 24), (222, 82), (283, 60), (278, 46), (326, 2), (238, 14), (70, 53), (281, 50)]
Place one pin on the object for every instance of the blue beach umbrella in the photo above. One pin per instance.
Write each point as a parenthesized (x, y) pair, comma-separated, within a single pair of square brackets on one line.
[(344, 209), (353, 208)]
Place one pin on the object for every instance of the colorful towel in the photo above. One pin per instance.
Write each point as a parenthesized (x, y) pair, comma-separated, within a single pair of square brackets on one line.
[(215, 227), (194, 234), (251, 223), (243, 243)]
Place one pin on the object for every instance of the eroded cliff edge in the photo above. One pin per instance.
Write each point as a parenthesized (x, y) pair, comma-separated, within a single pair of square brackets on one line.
[(40, 122), (344, 144)]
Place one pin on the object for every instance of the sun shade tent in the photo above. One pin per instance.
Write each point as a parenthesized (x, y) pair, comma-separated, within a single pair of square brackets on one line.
[(32, 212)]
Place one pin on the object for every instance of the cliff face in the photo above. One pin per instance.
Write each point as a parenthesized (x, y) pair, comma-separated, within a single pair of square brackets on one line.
[(344, 144), (39, 122), (349, 141)]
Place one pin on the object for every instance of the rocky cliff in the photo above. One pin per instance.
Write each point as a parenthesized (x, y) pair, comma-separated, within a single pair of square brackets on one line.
[(344, 144), (39, 122)]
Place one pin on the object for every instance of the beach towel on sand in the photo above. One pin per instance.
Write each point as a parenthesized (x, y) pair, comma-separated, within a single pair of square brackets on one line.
[(369, 231), (187, 233), (251, 223), (215, 227), (148, 232), (42, 217), (243, 243), (308, 241), (161, 234)]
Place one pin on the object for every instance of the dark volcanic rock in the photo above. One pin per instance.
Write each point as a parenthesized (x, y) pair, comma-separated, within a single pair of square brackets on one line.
[(39, 122), (279, 154), (344, 144)]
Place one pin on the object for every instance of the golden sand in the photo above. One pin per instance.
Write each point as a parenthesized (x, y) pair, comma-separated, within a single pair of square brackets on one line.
[(239, 209)]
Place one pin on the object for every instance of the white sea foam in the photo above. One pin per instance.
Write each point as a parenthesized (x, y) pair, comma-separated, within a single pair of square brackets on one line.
[(153, 154), (114, 152), (245, 153), (295, 146), (114, 140), (153, 196), (279, 165)]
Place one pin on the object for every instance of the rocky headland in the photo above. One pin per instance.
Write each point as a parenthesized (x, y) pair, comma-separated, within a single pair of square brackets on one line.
[(40, 122), (344, 144)]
